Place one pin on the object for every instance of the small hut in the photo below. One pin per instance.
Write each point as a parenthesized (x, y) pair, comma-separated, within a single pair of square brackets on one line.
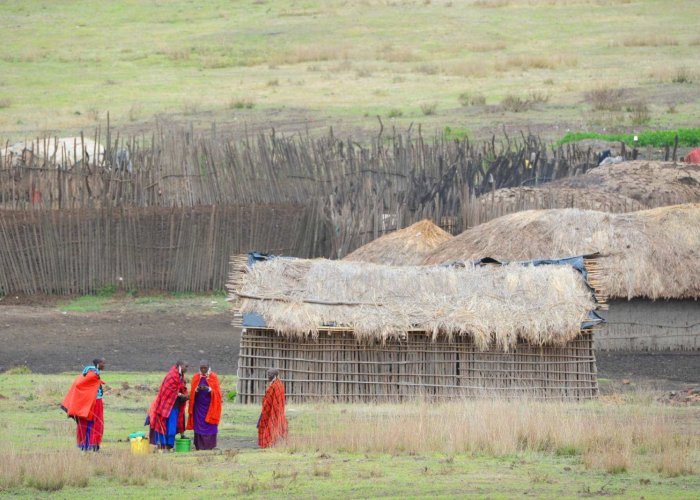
[(408, 246), (651, 183), (648, 265), (349, 331)]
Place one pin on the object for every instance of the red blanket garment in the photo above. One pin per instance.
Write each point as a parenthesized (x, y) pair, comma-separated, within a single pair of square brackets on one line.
[(273, 423)]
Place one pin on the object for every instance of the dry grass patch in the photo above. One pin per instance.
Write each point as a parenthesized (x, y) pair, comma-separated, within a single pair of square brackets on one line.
[(428, 108), (467, 99), (469, 69), (487, 47), (492, 4), (606, 98), (53, 471), (311, 53), (392, 54), (526, 62), (609, 437), (647, 40), (683, 75), (517, 104), (427, 69), (675, 461), (241, 104)]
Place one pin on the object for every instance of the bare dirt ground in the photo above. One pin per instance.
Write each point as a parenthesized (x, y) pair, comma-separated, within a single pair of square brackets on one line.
[(50, 341)]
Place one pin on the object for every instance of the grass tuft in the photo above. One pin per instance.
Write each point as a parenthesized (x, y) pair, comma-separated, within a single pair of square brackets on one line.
[(606, 98), (241, 104), (428, 108), (19, 370)]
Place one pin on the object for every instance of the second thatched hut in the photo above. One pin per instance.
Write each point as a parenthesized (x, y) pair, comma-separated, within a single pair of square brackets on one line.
[(648, 265), (408, 246)]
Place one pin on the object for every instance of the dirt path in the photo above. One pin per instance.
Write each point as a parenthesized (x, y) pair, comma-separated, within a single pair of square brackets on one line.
[(49, 341)]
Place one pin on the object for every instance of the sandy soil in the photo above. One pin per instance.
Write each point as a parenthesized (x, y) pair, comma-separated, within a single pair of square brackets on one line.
[(49, 341)]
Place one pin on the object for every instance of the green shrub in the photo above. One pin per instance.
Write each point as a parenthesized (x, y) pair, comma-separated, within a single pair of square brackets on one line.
[(687, 137), (106, 291)]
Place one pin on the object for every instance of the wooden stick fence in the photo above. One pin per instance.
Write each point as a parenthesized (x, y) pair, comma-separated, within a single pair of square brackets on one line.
[(59, 230), (336, 367), (181, 249)]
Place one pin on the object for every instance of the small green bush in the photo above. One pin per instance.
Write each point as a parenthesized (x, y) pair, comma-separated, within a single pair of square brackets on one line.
[(106, 291)]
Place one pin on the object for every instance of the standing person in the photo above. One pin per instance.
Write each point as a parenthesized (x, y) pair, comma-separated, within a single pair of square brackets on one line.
[(167, 414), (205, 407), (272, 424), (84, 403)]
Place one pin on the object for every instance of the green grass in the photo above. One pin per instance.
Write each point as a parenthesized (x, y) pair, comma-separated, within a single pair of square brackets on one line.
[(32, 424), (687, 137), (183, 302), (64, 65), (87, 303)]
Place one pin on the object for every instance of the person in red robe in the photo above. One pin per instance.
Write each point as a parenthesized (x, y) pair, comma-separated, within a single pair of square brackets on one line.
[(84, 404), (205, 407), (167, 413), (272, 425)]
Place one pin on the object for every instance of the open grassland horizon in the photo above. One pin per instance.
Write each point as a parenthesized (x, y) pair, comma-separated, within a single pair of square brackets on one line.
[(622, 444), (470, 65)]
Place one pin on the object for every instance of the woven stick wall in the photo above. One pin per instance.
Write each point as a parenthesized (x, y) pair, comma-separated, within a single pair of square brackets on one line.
[(180, 249), (335, 367)]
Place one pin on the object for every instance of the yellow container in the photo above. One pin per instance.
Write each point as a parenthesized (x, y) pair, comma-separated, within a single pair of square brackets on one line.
[(140, 446)]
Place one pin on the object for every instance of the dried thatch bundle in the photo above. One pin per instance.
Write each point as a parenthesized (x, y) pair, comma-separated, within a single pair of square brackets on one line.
[(652, 183), (652, 253), (509, 200), (496, 305), (408, 246)]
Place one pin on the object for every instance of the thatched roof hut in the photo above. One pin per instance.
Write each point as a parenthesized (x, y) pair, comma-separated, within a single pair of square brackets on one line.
[(616, 188), (551, 195), (407, 246), (650, 254), (476, 327), (651, 183)]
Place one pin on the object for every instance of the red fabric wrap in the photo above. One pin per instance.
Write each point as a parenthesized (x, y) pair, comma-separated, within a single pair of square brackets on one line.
[(81, 397), (273, 423), (214, 413), (173, 384)]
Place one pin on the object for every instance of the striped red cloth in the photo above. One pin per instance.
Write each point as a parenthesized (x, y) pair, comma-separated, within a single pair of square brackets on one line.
[(173, 384)]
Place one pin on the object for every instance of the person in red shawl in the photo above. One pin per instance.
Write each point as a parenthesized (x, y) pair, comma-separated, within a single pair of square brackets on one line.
[(272, 425), (84, 403), (167, 413), (205, 407)]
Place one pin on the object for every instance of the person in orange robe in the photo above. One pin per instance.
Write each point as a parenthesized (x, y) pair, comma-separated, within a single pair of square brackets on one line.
[(272, 425), (84, 404), (205, 407)]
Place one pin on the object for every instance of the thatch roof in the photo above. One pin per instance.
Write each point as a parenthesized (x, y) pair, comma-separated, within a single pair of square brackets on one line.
[(496, 305), (652, 253), (651, 183), (551, 195), (408, 246)]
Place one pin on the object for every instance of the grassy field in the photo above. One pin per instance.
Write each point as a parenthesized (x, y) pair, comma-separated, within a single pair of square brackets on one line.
[(620, 446), (473, 65)]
